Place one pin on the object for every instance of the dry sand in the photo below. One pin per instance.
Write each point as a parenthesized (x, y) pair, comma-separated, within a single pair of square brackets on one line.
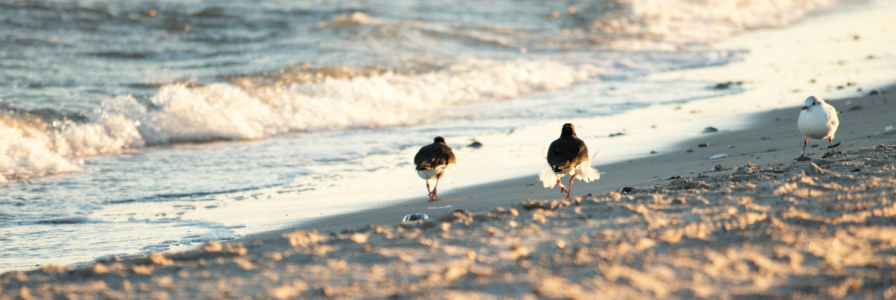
[(762, 226)]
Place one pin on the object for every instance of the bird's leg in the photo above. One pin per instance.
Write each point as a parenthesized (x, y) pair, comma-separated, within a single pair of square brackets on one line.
[(428, 190), (570, 186), (832, 145), (803, 156), (435, 197), (562, 188), (826, 155), (805, 142)]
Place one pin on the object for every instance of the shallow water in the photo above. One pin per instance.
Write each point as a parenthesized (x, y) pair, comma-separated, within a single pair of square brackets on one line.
[(111, 110)]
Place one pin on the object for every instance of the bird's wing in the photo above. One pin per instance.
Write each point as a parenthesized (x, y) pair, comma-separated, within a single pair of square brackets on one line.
[(421, 156), (555, 150), (547, 177), (424, 158), (433, 155), (832, 114), (582, 155), (448, 155)]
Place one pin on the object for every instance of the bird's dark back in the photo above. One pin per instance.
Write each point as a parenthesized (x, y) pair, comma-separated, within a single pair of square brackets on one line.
[(433, 155), (566, 152)]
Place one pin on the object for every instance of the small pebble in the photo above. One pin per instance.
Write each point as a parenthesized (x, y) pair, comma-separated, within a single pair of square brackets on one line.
[(722, 85), (415, 217)]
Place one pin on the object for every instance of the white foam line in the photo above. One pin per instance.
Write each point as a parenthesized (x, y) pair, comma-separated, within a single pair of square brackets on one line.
[(224, 111)]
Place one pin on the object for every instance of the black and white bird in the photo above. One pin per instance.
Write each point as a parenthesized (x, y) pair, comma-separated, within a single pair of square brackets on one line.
[(433, 161), (818, 120), (567, 155)]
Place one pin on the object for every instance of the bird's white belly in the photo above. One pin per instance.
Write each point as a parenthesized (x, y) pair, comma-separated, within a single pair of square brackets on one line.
[(431, 173), (816, 125)]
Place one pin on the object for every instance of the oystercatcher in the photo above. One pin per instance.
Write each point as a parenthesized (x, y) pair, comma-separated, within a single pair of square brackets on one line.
[(567, 155), (433, 161)]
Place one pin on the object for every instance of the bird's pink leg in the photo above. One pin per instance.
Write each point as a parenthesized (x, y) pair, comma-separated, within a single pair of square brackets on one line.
[(428, 190), (826, 155), (570, 186), (562, 188), (832, 145), (434, 196), (803, 156)]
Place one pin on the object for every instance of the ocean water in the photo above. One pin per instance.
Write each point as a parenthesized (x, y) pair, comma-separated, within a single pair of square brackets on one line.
[(130, 126)]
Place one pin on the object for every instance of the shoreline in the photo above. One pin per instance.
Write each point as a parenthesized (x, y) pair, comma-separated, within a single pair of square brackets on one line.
[(776, 147), (771, 73), (775, 76), (763, 226)]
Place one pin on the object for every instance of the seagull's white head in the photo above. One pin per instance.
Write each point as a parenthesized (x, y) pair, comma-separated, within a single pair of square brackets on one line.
[(812, 101)]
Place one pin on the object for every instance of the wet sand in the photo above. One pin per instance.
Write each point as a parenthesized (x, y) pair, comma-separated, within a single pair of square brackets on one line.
[(761, 226)]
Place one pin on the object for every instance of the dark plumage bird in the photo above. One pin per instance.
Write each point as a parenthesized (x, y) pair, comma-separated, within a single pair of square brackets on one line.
[(433, 161), (567, 155)]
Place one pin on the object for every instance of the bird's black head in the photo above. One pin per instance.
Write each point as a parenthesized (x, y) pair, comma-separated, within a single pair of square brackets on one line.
[(439, 140), (568, 130)]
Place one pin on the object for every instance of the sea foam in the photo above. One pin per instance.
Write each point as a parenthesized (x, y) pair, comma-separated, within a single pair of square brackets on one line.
[(222, 111), (669, 25), (685, 21)]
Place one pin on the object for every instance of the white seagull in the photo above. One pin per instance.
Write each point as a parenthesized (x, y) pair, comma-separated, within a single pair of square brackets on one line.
[(567, 155), (818, 120), (433, 161)]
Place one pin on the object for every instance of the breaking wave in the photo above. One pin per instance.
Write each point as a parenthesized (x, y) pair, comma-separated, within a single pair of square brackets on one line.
[(662, 24), (223, 111)]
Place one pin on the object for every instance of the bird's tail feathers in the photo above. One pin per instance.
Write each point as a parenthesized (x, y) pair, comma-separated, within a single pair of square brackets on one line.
[(547, 177)]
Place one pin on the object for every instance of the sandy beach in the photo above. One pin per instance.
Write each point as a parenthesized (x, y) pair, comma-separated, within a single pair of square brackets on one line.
[(150, 141), (681, 211), (753, 224)]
